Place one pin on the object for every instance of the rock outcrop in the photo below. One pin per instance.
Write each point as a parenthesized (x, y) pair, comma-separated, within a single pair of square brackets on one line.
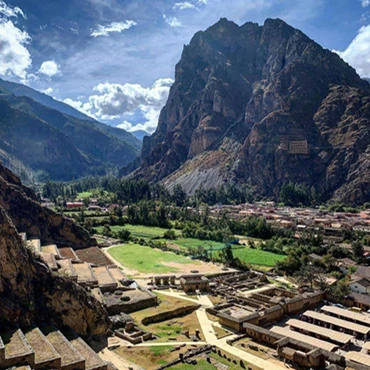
[(263, 105), (31, 294), (30, 217)]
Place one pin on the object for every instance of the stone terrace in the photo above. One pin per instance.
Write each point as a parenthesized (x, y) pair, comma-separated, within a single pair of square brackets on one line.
[(47, 348), (94, 256)]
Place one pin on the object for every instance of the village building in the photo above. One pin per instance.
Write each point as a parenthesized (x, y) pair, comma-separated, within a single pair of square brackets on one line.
[(360, 285), (71, 205)]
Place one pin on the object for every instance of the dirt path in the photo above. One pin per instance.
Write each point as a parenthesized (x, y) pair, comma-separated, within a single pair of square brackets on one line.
[(211, 338), (119, 362)]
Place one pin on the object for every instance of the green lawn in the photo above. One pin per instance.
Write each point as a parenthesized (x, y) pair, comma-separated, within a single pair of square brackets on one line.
[(257, 256), (146, 259), (139, 231), (85, 194), (194, 243)]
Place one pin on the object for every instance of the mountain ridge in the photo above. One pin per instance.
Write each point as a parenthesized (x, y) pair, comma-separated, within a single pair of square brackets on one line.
[(39, 141)]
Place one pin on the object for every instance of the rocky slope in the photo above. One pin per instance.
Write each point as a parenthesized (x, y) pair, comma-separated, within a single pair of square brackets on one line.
[(29, 292), (263, 105), (28, 216), (43, 142)]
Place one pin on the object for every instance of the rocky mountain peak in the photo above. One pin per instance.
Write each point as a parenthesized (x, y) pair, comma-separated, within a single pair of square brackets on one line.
[(243, 108)]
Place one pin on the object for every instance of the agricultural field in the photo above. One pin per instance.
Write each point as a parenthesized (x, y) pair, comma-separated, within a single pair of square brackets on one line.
[(148, 260), (258, 257), (189, 243), (156, 261)]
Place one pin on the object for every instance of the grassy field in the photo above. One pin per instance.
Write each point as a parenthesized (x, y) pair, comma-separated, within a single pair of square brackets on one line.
[(139, 231), (194, 243), (257, 256), (149, 358), (146, 259), (175, 327), (83, 195)]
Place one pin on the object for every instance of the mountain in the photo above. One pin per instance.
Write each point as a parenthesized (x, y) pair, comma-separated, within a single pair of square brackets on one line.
[(40, 142), (23, 90), (262, 105), (44, 99), (139, 134), (29, 292)]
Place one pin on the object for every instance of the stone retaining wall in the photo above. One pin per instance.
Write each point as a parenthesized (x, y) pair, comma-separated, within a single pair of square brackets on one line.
[(168, 315)]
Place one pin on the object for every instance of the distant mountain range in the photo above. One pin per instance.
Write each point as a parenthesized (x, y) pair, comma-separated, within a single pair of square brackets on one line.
[(262, 105), (41, 138)]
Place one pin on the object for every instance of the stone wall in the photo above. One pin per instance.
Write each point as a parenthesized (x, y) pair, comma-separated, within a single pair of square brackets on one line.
[(168, 315)]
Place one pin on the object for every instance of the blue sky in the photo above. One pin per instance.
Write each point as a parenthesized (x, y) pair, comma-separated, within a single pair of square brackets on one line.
[(115, 59)]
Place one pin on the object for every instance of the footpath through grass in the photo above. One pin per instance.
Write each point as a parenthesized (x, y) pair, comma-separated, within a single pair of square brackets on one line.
[(146, 259)]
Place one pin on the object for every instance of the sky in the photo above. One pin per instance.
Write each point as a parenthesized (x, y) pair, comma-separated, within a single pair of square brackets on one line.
[(115, 59)]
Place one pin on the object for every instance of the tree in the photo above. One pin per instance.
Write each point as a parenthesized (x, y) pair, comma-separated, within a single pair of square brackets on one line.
[(340, 290), (124, 235), (308, 275), (179, 195), (106, 230), (170, 235), (227, 255), (358, 249)]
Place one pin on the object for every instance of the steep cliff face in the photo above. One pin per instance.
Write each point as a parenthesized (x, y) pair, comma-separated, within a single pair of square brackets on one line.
[(28, 216), (252, 104), (30, 294)]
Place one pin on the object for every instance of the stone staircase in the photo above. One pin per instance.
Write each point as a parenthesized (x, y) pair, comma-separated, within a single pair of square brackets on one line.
[(47, 348)]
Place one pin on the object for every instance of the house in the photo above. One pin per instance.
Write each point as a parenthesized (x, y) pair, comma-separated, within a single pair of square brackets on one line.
[(364, 229), (363, 271), (344, 264), (360, 300), (314, 257), (71, 205), (359, 285)]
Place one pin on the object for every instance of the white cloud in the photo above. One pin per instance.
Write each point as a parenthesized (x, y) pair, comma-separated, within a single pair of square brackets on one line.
[(365, 3), (48, 91), (128, 126), (49, 68), (184, 5), (82, 107), (112, 27), (116, 99), (358, 52), (15, 58), (172, 21), (9, 11), (112, 101)]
